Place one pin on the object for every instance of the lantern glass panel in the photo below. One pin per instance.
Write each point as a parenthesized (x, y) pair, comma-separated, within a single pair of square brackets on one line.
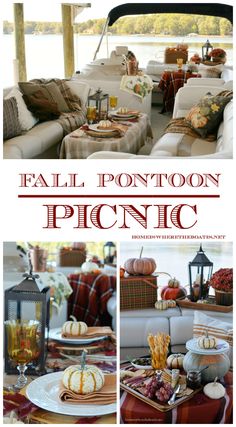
[(29, 306)]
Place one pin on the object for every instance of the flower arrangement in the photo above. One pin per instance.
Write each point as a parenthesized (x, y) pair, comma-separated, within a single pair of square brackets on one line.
[(222, 280), (217, 53)]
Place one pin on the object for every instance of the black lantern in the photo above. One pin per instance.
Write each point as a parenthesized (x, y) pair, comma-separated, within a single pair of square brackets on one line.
[(109, 252), (200, 272), (101, 101), (29, 300), (206, 49)]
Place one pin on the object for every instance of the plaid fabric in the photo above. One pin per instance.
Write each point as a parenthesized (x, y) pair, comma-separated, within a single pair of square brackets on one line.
[(181, 125), (170, 83), (79, 145), (11, 124), (198, 410), (71, 121), (138, 292), (88, 302)]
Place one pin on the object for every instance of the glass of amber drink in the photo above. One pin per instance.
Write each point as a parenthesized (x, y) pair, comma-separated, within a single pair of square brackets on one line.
[(22, 345), (113, 100)]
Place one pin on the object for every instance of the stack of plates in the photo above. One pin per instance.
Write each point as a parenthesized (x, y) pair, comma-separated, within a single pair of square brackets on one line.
[(124, 116)]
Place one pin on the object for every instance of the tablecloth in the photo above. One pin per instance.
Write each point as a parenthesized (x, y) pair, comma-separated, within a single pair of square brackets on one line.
[(88, 302), (170, 83), (198, 410), (80, 147)]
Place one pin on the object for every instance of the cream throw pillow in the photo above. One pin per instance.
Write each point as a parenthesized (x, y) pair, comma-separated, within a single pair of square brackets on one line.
[(215, 328), (26, 118)]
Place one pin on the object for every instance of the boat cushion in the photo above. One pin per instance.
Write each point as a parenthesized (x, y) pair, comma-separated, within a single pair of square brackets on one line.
[(26, 118)]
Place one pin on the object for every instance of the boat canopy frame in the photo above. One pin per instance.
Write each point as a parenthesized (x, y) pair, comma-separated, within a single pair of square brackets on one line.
[(210, 9)]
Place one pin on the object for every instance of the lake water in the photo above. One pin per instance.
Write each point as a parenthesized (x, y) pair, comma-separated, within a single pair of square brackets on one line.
[(44, 53), (173, 258)]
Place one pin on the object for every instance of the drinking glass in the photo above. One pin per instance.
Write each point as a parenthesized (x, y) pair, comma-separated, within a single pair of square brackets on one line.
[(113, 100), (91, 114), (180, 63), (22, 345)]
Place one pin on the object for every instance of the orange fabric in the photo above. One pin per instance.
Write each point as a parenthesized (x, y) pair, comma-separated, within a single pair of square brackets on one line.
[(105, 396)]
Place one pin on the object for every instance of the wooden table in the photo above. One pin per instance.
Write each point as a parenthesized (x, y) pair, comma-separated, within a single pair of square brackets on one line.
[(80, 145), (198, 410), (170, 83)]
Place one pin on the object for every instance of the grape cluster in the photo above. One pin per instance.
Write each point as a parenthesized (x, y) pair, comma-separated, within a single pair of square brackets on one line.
[(164, 392), (159, 390)]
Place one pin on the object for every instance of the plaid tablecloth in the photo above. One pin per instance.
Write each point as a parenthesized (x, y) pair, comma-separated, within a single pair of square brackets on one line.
[(80, 147), (170, 83), (198, 410), (88, 302)]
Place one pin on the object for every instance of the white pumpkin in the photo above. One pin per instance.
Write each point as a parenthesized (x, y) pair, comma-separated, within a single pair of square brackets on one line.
[(161, 305), (74, 328), (174, 283), (175, 361), (171, 303), (207, 342), (89, 267), (122, 110), (214, 390), (104, 124), (83, 381)]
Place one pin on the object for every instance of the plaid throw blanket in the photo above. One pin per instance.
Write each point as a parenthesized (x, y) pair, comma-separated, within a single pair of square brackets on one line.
[(182, 126), (76, 117), (88, 302)]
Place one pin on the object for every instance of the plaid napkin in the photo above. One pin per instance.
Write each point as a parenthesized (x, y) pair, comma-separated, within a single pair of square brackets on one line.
[(105, 396)]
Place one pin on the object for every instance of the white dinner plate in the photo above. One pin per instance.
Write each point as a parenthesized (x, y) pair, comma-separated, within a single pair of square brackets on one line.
[(95, 128), (55, 334), (123, 116), (192, 345), (44, 393)]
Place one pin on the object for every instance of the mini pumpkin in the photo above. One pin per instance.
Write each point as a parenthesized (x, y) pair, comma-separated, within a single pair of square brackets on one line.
[(214, 390), (161, 305), (173, 293), (122, 110), (175, 361), (104, 124), (83, 380), (74, 328), (171, 303), (174, 283), (207, 342), (89, 267)]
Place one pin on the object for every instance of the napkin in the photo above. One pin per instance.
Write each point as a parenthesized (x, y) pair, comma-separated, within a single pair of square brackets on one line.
[(105, 396), (93, 332)]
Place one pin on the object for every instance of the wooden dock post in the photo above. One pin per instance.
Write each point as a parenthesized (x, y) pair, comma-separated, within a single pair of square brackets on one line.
[(20, 39), (68, 40)]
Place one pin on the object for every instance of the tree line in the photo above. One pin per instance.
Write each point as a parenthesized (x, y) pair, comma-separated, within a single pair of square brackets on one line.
[(163, 24)]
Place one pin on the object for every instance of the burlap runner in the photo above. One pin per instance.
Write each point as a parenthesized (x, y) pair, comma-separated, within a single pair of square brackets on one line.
[(105, 396)]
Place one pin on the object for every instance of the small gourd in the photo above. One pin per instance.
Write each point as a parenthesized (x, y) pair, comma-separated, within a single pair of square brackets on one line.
[(161, 305), (89, 267), (171, 303), (122, 110), (83, 379), (207, 342), (175, 361), (214, 390), (104, 124), (74, 328), (174, 283)]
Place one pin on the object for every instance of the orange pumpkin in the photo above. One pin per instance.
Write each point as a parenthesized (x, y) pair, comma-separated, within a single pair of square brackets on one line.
[(173, 293), (140, 266), (122, 272)]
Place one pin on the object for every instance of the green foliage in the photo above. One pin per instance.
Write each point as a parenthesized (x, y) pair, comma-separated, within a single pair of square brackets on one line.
[(165, 24)]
